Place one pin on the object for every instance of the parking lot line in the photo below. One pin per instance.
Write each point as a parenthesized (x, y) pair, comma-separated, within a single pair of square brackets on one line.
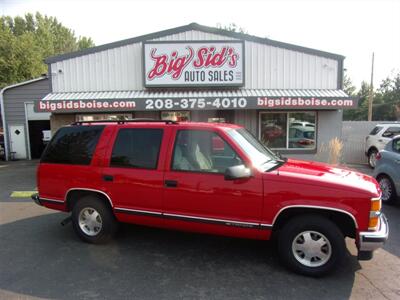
[(22, 194)]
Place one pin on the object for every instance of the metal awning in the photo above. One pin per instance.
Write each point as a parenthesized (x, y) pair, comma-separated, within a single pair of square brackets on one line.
[(144, 94), (161, 100)]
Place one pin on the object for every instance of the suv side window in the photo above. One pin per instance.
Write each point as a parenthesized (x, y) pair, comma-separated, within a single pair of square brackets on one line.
[(202, 151), (137, 148), (73, 145), (391, 132)]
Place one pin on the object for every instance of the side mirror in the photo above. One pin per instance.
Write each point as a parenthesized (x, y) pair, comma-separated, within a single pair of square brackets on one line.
[(237, 172)]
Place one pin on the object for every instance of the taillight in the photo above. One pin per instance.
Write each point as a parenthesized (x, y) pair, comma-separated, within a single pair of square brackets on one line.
[(378, 156), (374, 214)]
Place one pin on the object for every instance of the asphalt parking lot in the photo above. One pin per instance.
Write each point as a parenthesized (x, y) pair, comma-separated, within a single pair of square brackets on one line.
[(41, 259)]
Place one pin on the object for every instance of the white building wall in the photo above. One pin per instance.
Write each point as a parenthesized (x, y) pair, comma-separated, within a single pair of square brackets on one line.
[(266, 66)]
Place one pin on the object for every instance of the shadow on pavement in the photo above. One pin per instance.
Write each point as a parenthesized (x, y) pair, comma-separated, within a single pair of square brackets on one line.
[(392, 213), (40, 258)]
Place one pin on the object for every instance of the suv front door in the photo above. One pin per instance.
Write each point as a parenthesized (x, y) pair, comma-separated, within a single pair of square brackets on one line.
[(198, 197)]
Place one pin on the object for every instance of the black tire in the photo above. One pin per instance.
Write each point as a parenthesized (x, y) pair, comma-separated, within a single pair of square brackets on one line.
[(104, 214), (372, 158), (317, 224), (389, 194)]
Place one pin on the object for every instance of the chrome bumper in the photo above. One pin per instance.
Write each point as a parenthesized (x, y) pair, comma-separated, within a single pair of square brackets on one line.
[(372, 240)]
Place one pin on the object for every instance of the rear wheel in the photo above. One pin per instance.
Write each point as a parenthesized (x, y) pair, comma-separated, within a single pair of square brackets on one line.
[(372, 158), (388, 189), (93, 221), (311, 245)]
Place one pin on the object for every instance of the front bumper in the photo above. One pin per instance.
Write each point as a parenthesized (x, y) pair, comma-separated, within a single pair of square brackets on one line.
[(372, 240)]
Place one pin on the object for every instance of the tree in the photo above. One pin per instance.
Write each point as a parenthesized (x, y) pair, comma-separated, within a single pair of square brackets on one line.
[(386, 105), (348, 85), (387, 100), (232, 27), (84, 42), (26, 41)]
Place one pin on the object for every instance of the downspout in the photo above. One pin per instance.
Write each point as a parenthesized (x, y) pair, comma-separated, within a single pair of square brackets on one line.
[(3, 119)]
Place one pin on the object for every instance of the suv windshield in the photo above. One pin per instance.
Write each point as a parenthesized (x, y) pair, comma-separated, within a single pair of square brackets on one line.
[(255, 150), (376, 130)]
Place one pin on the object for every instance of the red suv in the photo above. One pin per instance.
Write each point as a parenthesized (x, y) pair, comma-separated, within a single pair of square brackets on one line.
[(208, 178)]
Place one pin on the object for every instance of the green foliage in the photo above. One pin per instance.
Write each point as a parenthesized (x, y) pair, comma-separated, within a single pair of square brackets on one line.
[(26, 41), (348, 86), (386, 105), (232, 27), (84, 42), (386, 101)]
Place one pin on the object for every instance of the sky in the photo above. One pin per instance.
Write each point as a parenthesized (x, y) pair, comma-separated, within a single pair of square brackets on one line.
[(353, 28)]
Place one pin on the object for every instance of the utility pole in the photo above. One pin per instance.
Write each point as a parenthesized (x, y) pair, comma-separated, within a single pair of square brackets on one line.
[(371, 91)]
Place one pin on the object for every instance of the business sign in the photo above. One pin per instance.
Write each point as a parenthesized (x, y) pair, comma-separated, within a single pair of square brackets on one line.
[(194, 103), (194, 63)]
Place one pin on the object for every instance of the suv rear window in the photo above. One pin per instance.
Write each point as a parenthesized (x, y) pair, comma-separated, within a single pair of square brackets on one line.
[(375, 130), (137, 148), (73, 145)]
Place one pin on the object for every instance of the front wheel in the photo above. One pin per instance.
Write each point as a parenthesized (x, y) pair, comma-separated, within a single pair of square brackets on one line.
[(311, 245), (93, 221)]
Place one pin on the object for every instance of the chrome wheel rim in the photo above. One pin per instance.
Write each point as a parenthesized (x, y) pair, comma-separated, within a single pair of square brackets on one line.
[(311, 248), (90, 221), (386, 187), (372, 159)]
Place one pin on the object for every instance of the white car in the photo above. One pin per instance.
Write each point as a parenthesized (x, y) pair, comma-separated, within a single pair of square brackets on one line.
[(302, 123), (378, 138)]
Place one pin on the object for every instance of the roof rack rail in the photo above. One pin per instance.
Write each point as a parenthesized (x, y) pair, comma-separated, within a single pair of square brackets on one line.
[(137, 120)]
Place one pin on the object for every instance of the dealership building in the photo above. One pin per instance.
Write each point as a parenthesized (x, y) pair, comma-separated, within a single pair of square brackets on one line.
[(290, 97)]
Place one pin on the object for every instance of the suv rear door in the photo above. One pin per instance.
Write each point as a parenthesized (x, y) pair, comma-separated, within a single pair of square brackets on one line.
[(133, 172), (70, 161), (196, 194)]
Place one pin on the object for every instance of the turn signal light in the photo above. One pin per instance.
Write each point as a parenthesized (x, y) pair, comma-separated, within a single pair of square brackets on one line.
[(376, 204), (373, 223)]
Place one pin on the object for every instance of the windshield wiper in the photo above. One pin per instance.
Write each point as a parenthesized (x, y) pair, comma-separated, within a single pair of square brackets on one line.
[(279, 162), (267, 161), (282, 160)]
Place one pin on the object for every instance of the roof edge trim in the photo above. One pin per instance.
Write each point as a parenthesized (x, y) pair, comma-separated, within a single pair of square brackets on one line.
[(22, 83), (193, 26)]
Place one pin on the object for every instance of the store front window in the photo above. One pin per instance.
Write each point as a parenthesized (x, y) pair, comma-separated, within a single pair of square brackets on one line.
[(100, 117), (293, 130), (179, 116)]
